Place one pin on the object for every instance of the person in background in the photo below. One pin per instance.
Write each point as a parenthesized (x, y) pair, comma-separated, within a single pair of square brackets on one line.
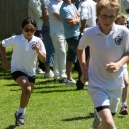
[(87, 10), (47, 40), (58, 40), (109, 51), (121, 19), (125, 9), (70, 19), (35, 11), (26, 47)]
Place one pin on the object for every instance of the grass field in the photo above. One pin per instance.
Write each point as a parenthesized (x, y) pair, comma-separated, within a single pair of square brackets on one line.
[(52, 105)]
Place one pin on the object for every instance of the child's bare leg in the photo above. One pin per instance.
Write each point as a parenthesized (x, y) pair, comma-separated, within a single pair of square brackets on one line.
[(27, 88), (124, 110), (107, 119), (125, 89)]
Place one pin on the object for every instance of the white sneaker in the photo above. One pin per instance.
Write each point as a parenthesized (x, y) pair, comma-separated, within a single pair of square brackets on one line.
[(68, 83), (97, 120), (49, 74), (86, 84), (39, 71)]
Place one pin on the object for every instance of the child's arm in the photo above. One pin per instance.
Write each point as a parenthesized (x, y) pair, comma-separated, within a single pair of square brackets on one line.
[(115, 66), (5, 63), (82, 62), (41, 56)]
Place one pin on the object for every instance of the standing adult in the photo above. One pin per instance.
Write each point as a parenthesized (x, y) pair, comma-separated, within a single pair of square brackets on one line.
[(87, 10), (58, 40), (47, 40), (70, 18), (35, 11)]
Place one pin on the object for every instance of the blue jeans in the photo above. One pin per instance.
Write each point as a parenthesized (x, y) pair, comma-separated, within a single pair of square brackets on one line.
[(72, 46), (49, 46)]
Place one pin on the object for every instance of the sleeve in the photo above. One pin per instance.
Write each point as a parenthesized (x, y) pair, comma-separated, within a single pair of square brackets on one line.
[(42, 47), (8, 42), (83, 43), (126, 40), (84, 12), (52, 9), (65, 13), (36, 8), (55, 9), (45, 3)]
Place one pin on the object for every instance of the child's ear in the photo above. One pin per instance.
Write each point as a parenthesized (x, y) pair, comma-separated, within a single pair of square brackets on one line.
[(21, 29)]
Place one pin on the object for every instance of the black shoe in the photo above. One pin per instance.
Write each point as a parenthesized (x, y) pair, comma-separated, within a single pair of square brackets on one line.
[(20, 119), (56, 80), (63, 80), (80, 85)]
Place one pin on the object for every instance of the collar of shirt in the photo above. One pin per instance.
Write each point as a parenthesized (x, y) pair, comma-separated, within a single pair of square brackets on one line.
[(23, 38), (98, 31)]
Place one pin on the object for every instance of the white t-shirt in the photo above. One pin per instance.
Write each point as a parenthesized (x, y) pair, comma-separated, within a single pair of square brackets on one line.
[(87, 10), (35, 11), (24, 58), (55, 24), (105, 49)]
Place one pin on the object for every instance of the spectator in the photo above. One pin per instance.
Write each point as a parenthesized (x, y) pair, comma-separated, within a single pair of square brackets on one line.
[(70, 18), (58, 40), (87, 10), (47, 40), (35, 11)]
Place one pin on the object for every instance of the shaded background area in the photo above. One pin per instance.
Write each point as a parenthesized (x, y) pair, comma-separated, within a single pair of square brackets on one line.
[(11, 14)]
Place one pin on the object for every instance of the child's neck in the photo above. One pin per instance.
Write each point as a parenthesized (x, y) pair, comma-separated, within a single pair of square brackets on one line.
[(106, 32)]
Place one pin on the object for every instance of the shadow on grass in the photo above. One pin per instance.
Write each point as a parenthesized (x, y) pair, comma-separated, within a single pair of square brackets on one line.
[(60, 90), (90, 116), (121, 116), (11, 127)]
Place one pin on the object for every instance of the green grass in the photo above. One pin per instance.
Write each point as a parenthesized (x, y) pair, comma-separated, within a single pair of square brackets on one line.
[(52, 105)]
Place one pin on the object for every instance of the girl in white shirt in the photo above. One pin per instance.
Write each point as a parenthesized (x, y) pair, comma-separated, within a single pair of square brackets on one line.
[(26, 47)]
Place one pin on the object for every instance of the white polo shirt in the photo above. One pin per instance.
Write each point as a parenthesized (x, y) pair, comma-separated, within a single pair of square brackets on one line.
[(55, 24), (87, 10), (24, 58), (105, 49)]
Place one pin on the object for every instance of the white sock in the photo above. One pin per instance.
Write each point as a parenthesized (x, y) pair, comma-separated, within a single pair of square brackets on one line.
[(22, 110), (123, 103)]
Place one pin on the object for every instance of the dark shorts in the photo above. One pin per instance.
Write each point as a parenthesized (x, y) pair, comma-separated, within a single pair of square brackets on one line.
[(72, 47), (17, 74)]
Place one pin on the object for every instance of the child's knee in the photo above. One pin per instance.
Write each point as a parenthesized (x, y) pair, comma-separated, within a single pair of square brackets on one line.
[(27, 90), (109, 124)]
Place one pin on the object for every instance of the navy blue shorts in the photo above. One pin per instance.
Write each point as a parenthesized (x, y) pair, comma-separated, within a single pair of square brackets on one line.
[(17, 74), (72, 48)]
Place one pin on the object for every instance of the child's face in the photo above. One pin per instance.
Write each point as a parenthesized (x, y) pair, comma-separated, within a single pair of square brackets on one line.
[(106, 18), (28, 30), (121, 21)]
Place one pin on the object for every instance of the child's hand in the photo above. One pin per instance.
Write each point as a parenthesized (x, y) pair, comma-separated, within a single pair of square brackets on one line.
[(112, 67), (5, 64), (37, 47), (84, 77)]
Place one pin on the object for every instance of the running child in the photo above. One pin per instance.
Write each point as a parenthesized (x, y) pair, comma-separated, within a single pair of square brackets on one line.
[(121, 19), (26, 47), (109, 49)]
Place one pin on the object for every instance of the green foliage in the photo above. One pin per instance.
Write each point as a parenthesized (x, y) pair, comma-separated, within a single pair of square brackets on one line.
[(52, 105)]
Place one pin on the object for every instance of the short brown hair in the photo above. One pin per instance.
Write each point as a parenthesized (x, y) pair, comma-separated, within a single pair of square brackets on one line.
[(107, 3), (121, 16)]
